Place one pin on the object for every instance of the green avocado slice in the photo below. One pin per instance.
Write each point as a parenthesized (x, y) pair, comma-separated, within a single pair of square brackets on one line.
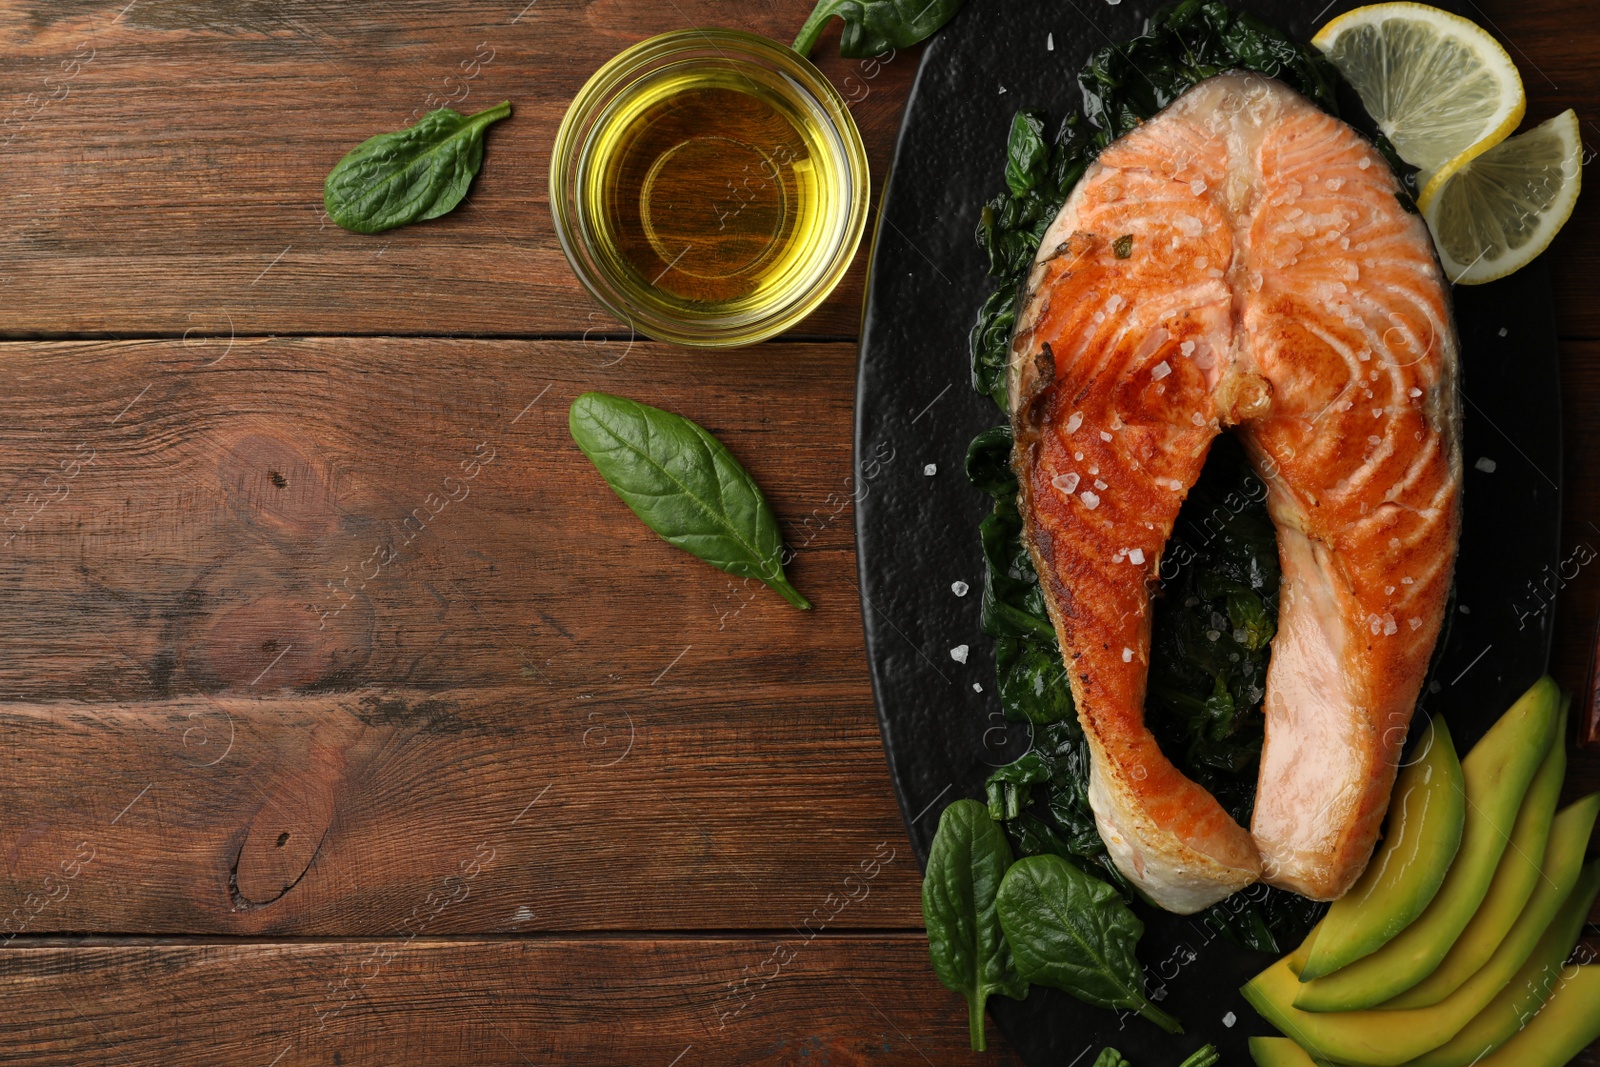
[(1510, 889), (1426, 812), (1527, 993), (1496, 775), (1561, 1030), (1390, 1038), (1281, 1052)]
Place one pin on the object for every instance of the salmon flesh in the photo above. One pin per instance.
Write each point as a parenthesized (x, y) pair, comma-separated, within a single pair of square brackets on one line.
[(1241, 261)]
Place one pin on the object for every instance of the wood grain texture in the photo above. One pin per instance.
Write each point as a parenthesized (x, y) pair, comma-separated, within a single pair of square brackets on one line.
[(303, 628), (595, 1002), (165, 164), (265, 672)]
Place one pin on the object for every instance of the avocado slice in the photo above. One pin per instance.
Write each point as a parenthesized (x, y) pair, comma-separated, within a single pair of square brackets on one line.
[(1566, 1024), (1509, 890), (1426, 811), (1529, 989), (1496, 775), (1390, 1038), (1281, 1052)]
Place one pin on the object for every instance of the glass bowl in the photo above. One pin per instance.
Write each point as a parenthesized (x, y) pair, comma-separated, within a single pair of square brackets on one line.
[(709, 187)]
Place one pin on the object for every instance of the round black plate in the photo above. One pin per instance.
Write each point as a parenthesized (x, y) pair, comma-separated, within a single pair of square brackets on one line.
[(917, 532)]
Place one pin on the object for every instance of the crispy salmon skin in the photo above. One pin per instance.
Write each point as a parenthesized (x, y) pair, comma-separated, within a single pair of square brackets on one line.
[(1242, 261)]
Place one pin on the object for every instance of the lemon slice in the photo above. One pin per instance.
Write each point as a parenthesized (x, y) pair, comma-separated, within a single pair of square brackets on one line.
[(1438, 85), (1501, 209)]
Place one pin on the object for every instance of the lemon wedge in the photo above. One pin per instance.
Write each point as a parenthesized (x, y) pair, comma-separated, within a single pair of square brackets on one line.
[(1501, 209), (1438, 85)]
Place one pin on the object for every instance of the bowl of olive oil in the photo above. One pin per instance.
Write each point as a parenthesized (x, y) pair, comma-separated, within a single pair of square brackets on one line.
[(709, 187)]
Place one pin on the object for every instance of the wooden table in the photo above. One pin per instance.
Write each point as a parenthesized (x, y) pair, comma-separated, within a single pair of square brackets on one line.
[(348, 717)]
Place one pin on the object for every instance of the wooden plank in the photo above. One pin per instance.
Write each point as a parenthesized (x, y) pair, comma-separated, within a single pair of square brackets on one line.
[(591, 1001), (1554, 45), (409, 513), (623, 807), (165, 161)]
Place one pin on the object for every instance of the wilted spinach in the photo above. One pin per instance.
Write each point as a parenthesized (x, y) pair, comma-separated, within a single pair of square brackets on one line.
[(873, 27), (418, 173), (966, 866), (1220, 575), (1072, 931), (684, 484)]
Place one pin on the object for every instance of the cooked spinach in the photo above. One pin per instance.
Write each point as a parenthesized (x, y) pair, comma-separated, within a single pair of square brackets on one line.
[(1206, 1056), (966, 866), (873, 27), (684, 484), (1219, 575), (414, 174), (1072, 931)]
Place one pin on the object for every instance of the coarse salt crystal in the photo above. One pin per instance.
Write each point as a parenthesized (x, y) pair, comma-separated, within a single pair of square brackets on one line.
[(1406, 580), (1098, 484), (1136, 556), (1377, 413), (1067, 483), (1049, 42), (1229, 1019), (1373, 439), (1198, 419), (977, 687), (1127, 655), (1485, 464), (1114, 303), (1502, 331), (1187, 348), (931, 469), (1364, 163), (1104, 436), (1188, 225), (959, 588), (1388, 590), (1414, 623), (1389, 626), (1077, 455), (1415, 392), (959, 653), (1177, 486), (1162, 370), (1197, 186), (1074, 422), (1090, 501), (1374, 623)]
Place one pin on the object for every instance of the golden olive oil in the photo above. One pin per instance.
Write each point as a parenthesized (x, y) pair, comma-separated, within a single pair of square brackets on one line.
[(712, 193)]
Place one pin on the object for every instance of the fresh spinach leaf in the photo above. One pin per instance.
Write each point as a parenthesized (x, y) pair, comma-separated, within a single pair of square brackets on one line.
[(414, 174), (1027, 152), (1073, 932), (873, 27), (684, 484), (966, 865)]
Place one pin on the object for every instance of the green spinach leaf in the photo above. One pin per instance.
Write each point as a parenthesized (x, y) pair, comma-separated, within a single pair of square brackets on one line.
[(1073, 932), (1027, 152), (966, 864), (684, 484), (873, 27), (414, 174)]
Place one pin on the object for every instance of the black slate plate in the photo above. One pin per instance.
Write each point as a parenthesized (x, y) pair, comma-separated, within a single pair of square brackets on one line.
[(917, 533)]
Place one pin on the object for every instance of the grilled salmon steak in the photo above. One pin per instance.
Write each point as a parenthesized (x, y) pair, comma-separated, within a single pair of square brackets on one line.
[(1241, 261)]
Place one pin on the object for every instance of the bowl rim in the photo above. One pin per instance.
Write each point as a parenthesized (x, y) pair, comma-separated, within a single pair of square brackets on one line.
[(611, 81)]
